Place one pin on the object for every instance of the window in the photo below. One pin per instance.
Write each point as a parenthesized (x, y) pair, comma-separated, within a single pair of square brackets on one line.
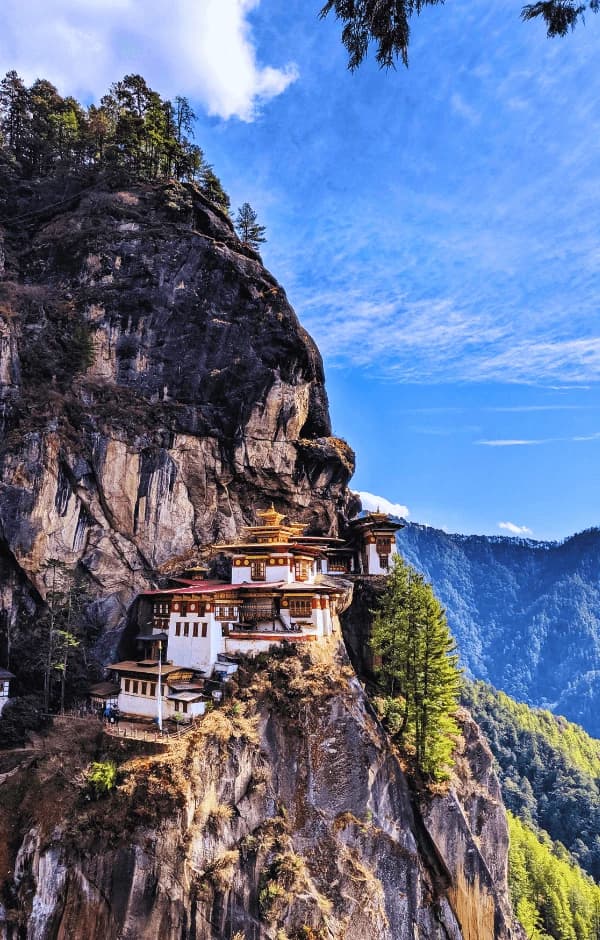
[(258, 570), (186, 629), (135, 686), (153, 689), (301, 571), (384, 561), (127, 685), (300, 607), (224, 612), (204, 629), (181, 707), (178, 629), (143, 689), (4, 689), (160, 609), (383, 545)]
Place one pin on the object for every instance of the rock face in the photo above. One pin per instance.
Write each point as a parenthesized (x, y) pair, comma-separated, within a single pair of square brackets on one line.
[(156, 389), (287, 816)]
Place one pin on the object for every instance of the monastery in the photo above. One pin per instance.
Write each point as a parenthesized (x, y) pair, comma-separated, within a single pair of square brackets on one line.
[(284, 586)]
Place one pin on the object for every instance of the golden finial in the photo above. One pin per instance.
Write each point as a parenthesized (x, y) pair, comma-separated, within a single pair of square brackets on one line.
[(270, 516)]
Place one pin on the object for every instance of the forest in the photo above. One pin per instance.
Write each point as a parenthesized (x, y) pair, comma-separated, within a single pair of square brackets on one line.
[(549, 771), (133, 132)]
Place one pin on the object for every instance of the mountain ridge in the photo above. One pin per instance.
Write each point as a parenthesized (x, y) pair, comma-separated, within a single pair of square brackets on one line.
[(526, 615)]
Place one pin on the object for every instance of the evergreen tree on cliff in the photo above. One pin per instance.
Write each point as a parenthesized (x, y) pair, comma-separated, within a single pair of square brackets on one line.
[(247, 227), (132, 133), (419, 674)]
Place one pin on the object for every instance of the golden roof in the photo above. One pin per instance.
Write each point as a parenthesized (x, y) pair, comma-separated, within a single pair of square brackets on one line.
[(270, 516)]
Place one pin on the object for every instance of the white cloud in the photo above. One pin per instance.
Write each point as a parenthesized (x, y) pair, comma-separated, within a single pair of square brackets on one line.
[(516, 442), (524, 442), (515, 529), (373, 503), (203, 49)]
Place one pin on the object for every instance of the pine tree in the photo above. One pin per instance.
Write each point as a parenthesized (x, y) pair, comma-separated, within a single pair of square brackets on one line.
[(210, 185), (248, 229), (418, 671)]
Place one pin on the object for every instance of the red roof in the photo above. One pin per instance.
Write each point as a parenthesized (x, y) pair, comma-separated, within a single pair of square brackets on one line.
[(210, 587)]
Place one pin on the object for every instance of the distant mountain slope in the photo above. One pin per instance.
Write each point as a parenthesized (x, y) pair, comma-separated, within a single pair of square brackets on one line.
[(549, 770), (526, 614)]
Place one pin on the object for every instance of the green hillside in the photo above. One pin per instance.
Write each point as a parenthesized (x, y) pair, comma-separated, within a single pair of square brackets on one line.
[(551, 896), (549, 769)]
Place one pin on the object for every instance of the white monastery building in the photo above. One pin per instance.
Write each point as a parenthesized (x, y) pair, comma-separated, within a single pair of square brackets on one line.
[(283, 587)]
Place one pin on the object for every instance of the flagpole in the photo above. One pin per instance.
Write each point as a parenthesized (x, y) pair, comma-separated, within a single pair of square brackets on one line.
[(159, 691)]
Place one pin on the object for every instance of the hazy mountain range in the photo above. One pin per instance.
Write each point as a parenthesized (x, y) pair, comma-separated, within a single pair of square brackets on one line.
[(526, 614)]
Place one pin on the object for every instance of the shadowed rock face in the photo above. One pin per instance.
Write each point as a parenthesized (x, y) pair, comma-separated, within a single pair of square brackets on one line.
[(202, 399), (298, 822)]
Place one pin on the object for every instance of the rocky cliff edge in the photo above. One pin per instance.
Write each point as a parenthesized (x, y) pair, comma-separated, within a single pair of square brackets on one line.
[(156, 388), (285, 815)]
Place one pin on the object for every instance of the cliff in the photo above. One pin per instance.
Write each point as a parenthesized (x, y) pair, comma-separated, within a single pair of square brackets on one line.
[(286, 815), (156, 388)]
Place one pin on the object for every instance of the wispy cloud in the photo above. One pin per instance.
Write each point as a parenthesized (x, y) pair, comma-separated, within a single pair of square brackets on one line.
[(202, 49), (374, 503), (517, 442), (515, 529), (528, 442), (438, 340)]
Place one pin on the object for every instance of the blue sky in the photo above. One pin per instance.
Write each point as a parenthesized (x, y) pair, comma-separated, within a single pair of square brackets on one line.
[(436, 229)]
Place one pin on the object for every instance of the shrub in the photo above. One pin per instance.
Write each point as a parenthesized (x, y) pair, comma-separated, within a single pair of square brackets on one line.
[(101, 778)]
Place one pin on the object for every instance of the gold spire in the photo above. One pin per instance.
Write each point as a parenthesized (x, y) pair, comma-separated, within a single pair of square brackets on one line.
[(270, 516)]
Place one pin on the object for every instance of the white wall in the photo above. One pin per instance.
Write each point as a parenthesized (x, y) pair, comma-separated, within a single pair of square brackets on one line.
[(142, 705), (240, 574), (195, 652)]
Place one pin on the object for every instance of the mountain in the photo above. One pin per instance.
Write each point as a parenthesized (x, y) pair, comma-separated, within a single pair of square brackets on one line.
[(526, 614), (549, 770), (156, 389)]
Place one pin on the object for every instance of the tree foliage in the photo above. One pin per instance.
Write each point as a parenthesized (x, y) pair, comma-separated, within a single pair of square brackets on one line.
[(549, 770), (248, 228), (132, 130), (418, 672), (386, 23), (552, 897), (101, 778)]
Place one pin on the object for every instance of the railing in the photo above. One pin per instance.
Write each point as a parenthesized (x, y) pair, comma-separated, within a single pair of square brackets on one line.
[(133, 733), (254, 613)]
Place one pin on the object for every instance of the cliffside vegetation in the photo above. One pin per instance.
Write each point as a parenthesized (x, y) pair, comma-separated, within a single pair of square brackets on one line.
[(133, 130), (418, 670)]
